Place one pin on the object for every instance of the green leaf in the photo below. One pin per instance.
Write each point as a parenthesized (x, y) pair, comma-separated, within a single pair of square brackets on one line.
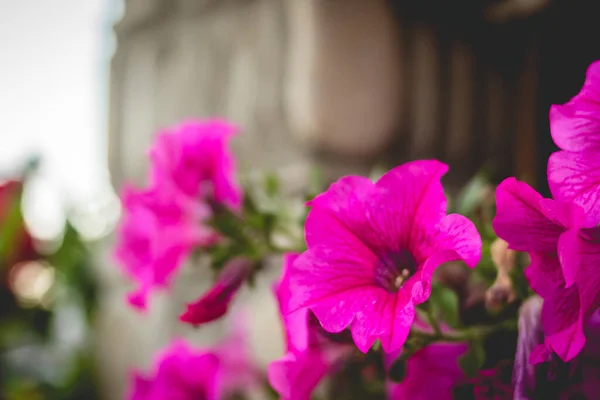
[(470, 196), (445, 304), (12, 228), (316, 181), (271, 185), (473, 359)]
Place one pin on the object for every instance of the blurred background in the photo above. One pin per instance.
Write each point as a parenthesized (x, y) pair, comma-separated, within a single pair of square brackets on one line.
[(341, 84)]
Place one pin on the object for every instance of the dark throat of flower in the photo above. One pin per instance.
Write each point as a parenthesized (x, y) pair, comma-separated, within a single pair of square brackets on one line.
[(394, 269)]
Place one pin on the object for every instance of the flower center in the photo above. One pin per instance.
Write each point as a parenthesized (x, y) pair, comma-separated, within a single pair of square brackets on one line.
[(394, 269)]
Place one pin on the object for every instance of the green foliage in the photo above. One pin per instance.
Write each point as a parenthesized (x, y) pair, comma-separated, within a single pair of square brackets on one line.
[(444, 304), (11, 229), (45, 367), (472, 361), (469, 198)]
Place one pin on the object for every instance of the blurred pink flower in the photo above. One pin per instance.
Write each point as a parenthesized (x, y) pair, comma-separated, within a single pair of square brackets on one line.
[(180, 373), (564, 260), (159, 228), (573, 174), (310, 355), (195, 157), (215, 303), (372, 250), (431, 373), (184, 373)]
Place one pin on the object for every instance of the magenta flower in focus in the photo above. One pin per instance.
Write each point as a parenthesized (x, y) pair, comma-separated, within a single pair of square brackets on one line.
[(573, 174), (159, 229), (184, 373), (372, 250), (310, 356), (564, 262), (431, 373), (215, 303), (195, 156)]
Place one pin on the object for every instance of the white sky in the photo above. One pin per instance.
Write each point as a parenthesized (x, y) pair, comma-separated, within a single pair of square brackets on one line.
[(53, 80)]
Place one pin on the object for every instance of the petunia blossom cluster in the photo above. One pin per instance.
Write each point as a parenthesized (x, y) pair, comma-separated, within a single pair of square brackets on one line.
[(561, 235), (192, 168), (389, 294)]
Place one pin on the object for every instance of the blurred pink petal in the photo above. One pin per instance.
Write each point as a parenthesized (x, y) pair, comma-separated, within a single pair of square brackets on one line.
[(575, 126), (182, 372), (310, 355), (431, 373), (159, 228), (195, 156), (215, 303)]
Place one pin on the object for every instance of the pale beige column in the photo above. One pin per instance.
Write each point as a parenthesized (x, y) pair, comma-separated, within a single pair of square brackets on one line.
[(459, 143), (344, 77), (526, 127), (425, 93)]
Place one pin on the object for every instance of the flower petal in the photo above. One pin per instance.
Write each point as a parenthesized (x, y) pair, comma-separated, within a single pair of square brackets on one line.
[(400, 328), (544, 274), (215, 303), (195, 156), (411, 202), (431, 373), (296, 322), (527, 221), (576, 177), (459, 234), (338, 216), (583, 251), (322, 272), (139, 298), (569, 255), (562, 324), (575, 126), (340, 290), (295, 376)]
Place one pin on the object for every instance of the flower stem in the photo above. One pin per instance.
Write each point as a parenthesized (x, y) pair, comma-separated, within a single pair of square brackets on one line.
[(464, 335), (432, 320)]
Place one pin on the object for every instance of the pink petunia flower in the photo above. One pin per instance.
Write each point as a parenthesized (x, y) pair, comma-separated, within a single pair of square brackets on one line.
[(372, 250), (195, 156), (564, 260), (573, 174), (159, 229), (184, 373), (215, 303), (310, 356)]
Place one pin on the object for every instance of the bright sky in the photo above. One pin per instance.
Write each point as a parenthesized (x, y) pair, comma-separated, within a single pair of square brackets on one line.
[(53, 80)]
